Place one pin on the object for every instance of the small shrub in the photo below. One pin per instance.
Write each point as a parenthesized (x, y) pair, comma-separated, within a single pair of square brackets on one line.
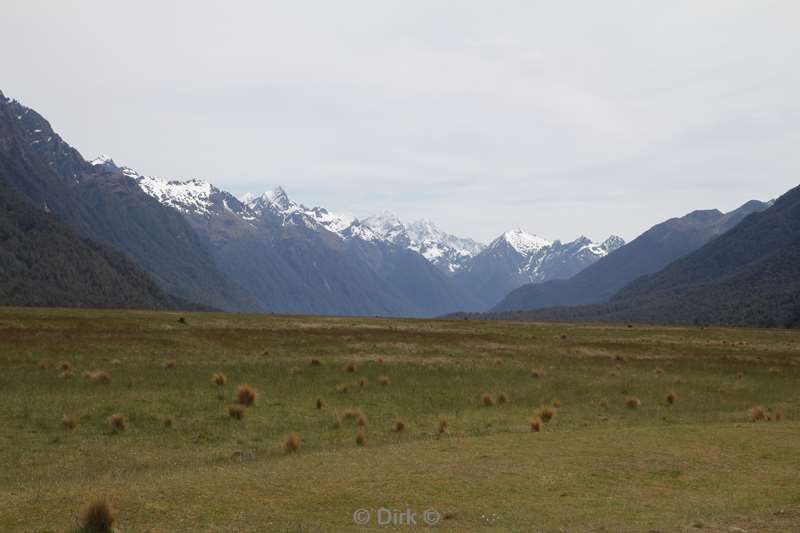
[(361, 438), (547, 414), (758, 413), (633, 402), (671, 397), (236, 412), (65, 366), (385, 380), (246, 395), (168, 421), (98, 517), (219, 379), (350, 367), (320, 403), (69, 422), (442, 425), (487, 400), (537, 373), (292, 443), (536, 423), (118, 422), (316, 362), (502, 398), (399, 426)]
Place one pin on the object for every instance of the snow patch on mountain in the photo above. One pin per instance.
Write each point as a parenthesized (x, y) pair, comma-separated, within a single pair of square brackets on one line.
[(523, 242)]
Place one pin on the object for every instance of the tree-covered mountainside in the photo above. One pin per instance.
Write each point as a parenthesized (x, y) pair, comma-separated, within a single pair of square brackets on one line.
[(44, 263)]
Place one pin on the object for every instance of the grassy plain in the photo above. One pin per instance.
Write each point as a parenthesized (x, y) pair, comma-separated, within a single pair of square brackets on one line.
[(700, 464)]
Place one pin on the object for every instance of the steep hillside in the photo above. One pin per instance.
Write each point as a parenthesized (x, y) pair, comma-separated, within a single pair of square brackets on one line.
[(648, 253), (45, 264)]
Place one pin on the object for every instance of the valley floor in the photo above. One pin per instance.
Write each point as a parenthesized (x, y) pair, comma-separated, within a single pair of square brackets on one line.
[(698, 464)]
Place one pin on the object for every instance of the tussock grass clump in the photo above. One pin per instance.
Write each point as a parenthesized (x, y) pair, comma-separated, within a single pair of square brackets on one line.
[(619, 358), (171, 364), (547, 414), (219, 379), (101, 376), (379, 360), (362, 383), (603, 403), (659, 371), (739, 375), (361, 438), (295, 371), (292, 443), (487, 400), (315, 362), (118, 422), (351, 414), (385, 380), (633, 402), (44, 365), (350, 367), (758, 413), (66, 374), (69, 422), (778, 416), (538, 373), (337, 420), (246, 395), (671, 398), (442, 426), (342, 388), (535, 423), (399, 426), (361, 420), (502, 398), (557, 404), (98, 517), (116, 362), (236, 412), (168, 422), (320, 403), (65, 366)]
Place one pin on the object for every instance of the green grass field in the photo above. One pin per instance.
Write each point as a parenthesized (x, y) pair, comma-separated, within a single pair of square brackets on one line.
[(701, 464)]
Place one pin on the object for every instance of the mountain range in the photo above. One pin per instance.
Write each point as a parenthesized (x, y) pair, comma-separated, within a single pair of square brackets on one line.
[(80, 233)]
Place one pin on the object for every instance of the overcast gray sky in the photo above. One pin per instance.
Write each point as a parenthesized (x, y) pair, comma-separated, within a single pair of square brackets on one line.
[(563, 118)]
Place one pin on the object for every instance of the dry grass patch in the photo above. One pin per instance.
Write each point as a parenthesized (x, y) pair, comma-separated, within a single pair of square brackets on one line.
[(66, 374), (350, 367), (65, 366), (487, 400), (758, 413), (236, 412), (98, 517), (316, 362), (171, 364), (557, 404), (342, 388), (671, 398), (633, 402), (502, 398), (442, 426), (361, 420), (603, 403), (219, 379), (337, 420), (659, 371), (118, 422), (362, 383), (535, 423), (246, 395), (292, 443), (385, 380), (44, 365), (399, 426), (538, 373), (547, 414), (69, 422), (361, 438), (101, 376), (320, 403)]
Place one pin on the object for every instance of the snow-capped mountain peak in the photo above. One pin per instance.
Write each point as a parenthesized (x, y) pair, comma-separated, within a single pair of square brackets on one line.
[(523, 242)]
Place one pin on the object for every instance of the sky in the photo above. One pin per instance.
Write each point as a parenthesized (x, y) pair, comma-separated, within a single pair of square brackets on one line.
[(561, 118)]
